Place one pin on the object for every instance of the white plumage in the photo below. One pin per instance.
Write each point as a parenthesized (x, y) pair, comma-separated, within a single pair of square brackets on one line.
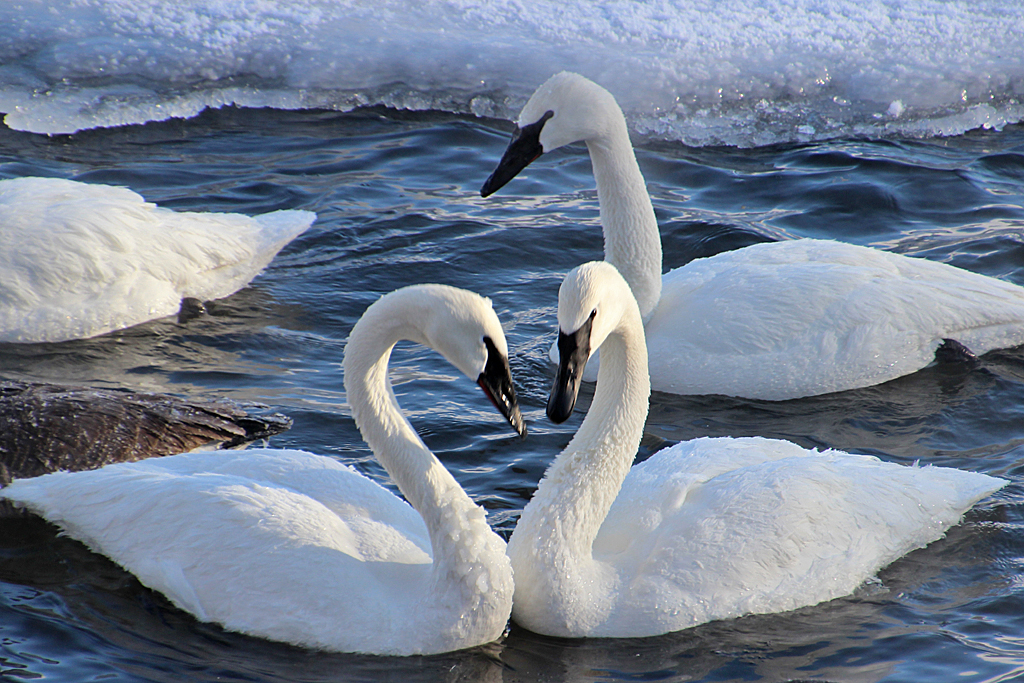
[(706, 529), (296, 547), (771, 321), (806, 317), (79, 260), (274, 543)]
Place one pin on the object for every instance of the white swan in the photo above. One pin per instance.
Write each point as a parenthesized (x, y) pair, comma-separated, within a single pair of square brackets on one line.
[(296, 547), (771, 321), (707, 529), (79, 260)]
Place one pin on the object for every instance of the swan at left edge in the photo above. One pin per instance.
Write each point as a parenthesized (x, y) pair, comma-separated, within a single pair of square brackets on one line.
[(80, 260), (299, 548)]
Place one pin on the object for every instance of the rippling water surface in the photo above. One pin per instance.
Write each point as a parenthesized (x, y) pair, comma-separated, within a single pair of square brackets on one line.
[(398, 203)]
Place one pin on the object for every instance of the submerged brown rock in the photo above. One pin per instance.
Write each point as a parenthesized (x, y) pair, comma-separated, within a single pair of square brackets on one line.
[(50, 427)]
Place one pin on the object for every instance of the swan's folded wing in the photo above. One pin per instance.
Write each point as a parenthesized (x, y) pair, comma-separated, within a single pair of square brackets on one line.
[(746, 534), (657, 489), (83, 259), (339, 488), (788, 319), (212, 531)]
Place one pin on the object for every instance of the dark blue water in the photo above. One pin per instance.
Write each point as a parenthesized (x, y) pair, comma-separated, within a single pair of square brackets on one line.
[(398, 203)]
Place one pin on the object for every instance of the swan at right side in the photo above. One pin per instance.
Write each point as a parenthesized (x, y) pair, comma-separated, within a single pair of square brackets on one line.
[(771, 321), (299, 548), (82, 259), (707, 529)]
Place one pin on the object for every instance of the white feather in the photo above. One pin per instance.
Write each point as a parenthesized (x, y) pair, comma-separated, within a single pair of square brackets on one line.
[(81, 260)]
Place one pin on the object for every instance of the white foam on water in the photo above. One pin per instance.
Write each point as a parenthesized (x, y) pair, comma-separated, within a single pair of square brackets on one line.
[(739, 72)]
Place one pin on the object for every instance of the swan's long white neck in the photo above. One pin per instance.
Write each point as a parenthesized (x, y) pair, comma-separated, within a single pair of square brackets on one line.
[(463, 545), (553, 540), (632, 242)]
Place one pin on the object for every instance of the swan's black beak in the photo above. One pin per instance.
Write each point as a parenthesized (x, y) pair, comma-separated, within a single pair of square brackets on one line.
[(522, 150), (496, 381), (573, 354)]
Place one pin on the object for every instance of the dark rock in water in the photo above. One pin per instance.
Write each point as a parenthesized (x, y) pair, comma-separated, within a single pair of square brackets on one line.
[(952, 351), (191, 308), (48, 427)]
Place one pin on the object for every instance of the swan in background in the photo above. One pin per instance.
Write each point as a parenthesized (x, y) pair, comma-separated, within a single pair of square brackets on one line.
[(296, 547), (771, 321), (79, 260), (706, 529), (51, 427)]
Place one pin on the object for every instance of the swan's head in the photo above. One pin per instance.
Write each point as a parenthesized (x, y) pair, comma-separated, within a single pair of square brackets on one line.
[(592, 303), (567, 108), (463, 327)]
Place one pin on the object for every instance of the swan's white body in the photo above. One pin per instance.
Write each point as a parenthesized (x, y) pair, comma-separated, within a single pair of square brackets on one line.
[(783, 320), (772, 321), (79, 260), (707, 529), (299, 548)]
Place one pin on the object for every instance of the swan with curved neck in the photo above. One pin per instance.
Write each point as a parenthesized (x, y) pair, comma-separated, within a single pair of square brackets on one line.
[(82, 259), (703, 530), (772, 321), (296, 547)]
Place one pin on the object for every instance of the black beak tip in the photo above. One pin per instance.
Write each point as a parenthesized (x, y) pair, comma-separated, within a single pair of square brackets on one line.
[(560, 406), (504, 399), (488, 187), (515, 419), (518, 424), (573, 354), (522, 150)]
